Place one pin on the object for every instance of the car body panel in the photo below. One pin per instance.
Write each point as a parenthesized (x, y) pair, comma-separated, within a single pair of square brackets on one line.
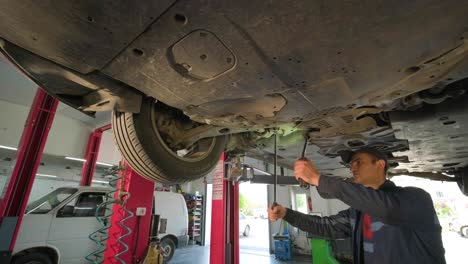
[(171, 206), (68, 236), (34, 229), (55, 25)]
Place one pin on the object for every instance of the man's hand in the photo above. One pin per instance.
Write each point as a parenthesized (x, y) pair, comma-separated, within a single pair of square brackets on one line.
[(305, 170), (276, 212)]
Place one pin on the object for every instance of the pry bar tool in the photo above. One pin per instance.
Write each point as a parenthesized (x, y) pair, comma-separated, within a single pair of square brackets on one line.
[(275, 176), (302, 183)]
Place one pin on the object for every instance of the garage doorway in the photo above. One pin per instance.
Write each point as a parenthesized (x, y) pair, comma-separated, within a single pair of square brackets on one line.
[(253, 222)]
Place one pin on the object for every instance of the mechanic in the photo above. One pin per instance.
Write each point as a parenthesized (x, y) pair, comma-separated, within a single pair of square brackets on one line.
[(386, 223)]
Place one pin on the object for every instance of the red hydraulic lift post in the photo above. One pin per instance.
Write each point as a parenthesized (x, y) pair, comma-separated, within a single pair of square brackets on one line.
[(141, 193), (232, 240), (15, 196), (224, 246), (92, 152), (218, 221)]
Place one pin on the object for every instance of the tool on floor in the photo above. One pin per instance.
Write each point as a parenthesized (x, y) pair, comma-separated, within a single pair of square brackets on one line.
[(154, 254), (302, 183), (282, 243)]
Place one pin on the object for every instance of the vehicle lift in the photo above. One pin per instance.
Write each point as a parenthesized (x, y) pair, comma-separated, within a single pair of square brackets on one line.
[(14, 197)]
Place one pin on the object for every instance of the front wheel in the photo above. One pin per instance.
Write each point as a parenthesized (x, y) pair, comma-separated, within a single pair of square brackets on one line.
[(33, 258), (146, 149), (167, 249), (463, 180)]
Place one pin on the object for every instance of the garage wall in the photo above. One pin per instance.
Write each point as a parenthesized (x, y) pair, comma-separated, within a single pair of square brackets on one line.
[(66, 176), (108, 152), (3, 182), (67, 137), (42, 187)]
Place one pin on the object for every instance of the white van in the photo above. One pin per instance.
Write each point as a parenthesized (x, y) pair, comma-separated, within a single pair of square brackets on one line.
[(56, 227)]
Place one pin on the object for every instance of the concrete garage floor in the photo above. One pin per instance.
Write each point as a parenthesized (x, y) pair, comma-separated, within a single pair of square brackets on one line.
[(201, 255)]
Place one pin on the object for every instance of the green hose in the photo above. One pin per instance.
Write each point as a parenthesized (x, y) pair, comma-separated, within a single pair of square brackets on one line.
[(100, 236)]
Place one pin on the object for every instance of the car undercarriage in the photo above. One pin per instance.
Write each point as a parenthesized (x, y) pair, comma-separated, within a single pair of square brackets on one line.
[(188, 80)]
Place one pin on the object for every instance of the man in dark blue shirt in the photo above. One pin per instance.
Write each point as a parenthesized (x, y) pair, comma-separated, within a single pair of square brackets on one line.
[(386, 223)]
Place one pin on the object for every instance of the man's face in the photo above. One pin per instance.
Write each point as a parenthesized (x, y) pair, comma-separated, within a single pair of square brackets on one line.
[(366, 169)]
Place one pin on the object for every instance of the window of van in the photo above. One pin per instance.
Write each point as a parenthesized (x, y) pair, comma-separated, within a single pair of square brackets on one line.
[(84, 205)]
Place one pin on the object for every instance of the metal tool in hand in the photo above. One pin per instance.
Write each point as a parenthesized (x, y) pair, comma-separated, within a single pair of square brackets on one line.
[(302, 183), (275, 175)]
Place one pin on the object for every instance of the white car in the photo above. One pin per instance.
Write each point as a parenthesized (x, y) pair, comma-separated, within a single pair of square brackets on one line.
[(260, 213), (244, 225), (460, 225), (56, 227)]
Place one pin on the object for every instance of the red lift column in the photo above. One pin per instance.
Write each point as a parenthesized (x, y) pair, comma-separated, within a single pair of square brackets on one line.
[(30, 148), (232, 240), (141, 195), (218, 216), (224, 246), (92, 151)]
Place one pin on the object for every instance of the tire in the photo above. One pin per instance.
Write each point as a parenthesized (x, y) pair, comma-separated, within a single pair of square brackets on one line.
[(142, 146), (464, 231), (33, 258), (167, 248), (246, 231), (463, 181)]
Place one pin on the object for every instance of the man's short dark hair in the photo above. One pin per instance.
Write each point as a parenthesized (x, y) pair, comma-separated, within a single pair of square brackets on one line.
[(347, 155)]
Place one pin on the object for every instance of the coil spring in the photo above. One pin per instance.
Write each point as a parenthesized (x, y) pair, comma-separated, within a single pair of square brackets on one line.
[(124, 198), (100, 236)]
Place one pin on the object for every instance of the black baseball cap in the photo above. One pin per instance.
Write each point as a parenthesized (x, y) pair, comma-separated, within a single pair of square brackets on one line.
[(347, 155)]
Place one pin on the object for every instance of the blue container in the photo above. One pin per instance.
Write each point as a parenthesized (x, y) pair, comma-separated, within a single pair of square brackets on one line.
[(283, 249)]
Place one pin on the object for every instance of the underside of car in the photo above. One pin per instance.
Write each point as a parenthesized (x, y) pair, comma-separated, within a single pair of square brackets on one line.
[(188, 80)]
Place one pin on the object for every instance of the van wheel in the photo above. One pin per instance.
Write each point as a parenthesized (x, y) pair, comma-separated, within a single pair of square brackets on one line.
[(33, 258), (167, 249)]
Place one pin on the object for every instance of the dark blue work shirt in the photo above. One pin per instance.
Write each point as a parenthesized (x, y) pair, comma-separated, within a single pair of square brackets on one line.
[(389, 225)]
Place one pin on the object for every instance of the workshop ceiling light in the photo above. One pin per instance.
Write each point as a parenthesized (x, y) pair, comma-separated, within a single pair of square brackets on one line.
[(6, 147), (77, 159), (46, 175), (106, 182), (104, 164), (97, 162), (261, 171)]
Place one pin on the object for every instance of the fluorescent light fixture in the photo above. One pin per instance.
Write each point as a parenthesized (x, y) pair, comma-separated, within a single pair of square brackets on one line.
[(77, 159), (97, 162), (104, 164), (6, 147), (449, 175), (106, 182), (261, 171), (46, 175)]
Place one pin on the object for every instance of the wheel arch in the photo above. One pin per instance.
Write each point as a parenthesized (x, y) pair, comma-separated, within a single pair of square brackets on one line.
[(173, 238), (51, 251)]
